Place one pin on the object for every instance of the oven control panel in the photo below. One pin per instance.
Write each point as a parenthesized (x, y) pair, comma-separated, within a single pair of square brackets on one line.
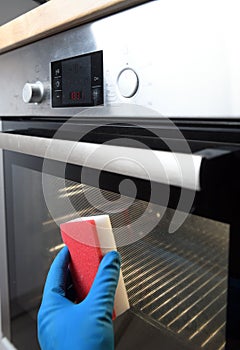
[(78, 81), (115, 62)]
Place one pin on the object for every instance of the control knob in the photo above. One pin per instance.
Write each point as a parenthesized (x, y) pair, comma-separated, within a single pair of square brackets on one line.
[(33, 92), (128, 82)]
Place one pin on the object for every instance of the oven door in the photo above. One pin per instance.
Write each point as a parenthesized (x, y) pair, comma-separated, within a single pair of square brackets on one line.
[(173, 216)]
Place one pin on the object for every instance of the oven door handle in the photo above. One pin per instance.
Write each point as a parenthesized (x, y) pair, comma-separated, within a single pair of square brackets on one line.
[(170, 168)]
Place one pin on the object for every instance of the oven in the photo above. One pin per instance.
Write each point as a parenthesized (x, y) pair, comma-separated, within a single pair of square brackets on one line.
[(132, 122)]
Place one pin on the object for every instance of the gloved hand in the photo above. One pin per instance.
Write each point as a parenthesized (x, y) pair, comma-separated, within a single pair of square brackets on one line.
[(64, 325)]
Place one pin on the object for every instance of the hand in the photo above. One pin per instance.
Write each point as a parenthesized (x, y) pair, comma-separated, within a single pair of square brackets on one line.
[(63, 325)]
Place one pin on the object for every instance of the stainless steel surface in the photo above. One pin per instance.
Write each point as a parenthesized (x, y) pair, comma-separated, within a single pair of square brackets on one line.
[(33, 93), (182, 169), (186, 56)]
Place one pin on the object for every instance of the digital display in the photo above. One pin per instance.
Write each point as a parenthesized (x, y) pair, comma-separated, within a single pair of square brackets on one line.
[(76, 78), (76, 96), (78, 81)]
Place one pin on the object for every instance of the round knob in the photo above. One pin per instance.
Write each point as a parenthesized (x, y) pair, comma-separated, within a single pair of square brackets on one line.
[(128, 82), (33, 93)]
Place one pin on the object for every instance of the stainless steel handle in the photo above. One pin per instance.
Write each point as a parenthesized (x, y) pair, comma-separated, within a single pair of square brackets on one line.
[(170, 168)]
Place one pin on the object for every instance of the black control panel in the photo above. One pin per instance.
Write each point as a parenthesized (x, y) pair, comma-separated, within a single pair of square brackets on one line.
[(78, 81)]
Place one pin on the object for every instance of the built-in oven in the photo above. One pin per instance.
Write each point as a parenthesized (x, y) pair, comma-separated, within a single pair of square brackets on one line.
[(115, 117)]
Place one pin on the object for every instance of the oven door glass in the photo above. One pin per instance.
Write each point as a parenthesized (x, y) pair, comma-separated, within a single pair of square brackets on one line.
[(176, 283)]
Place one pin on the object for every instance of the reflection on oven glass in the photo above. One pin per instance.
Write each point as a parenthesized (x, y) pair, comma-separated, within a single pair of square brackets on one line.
[(174, 281), (179, 281)]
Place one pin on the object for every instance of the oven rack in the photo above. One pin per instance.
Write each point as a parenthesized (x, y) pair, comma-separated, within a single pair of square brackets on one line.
[(179, 281)]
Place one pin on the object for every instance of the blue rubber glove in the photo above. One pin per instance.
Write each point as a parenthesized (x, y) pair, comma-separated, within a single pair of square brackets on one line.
[(64, 325)]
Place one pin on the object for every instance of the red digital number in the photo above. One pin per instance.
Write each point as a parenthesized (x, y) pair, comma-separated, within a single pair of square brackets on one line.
[(75, 95)]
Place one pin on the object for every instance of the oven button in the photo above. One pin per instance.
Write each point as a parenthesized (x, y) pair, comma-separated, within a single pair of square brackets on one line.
[(128, 82), (33, 93), (57, 83)]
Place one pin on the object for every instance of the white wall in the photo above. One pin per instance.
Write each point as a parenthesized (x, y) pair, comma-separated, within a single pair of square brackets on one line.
[(10, 9)]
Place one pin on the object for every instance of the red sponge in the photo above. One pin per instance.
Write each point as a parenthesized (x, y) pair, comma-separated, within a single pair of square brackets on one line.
[(88, 240), (85, 254)]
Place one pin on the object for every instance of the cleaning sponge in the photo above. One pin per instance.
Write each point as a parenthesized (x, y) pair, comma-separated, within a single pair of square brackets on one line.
[(88, 240)]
